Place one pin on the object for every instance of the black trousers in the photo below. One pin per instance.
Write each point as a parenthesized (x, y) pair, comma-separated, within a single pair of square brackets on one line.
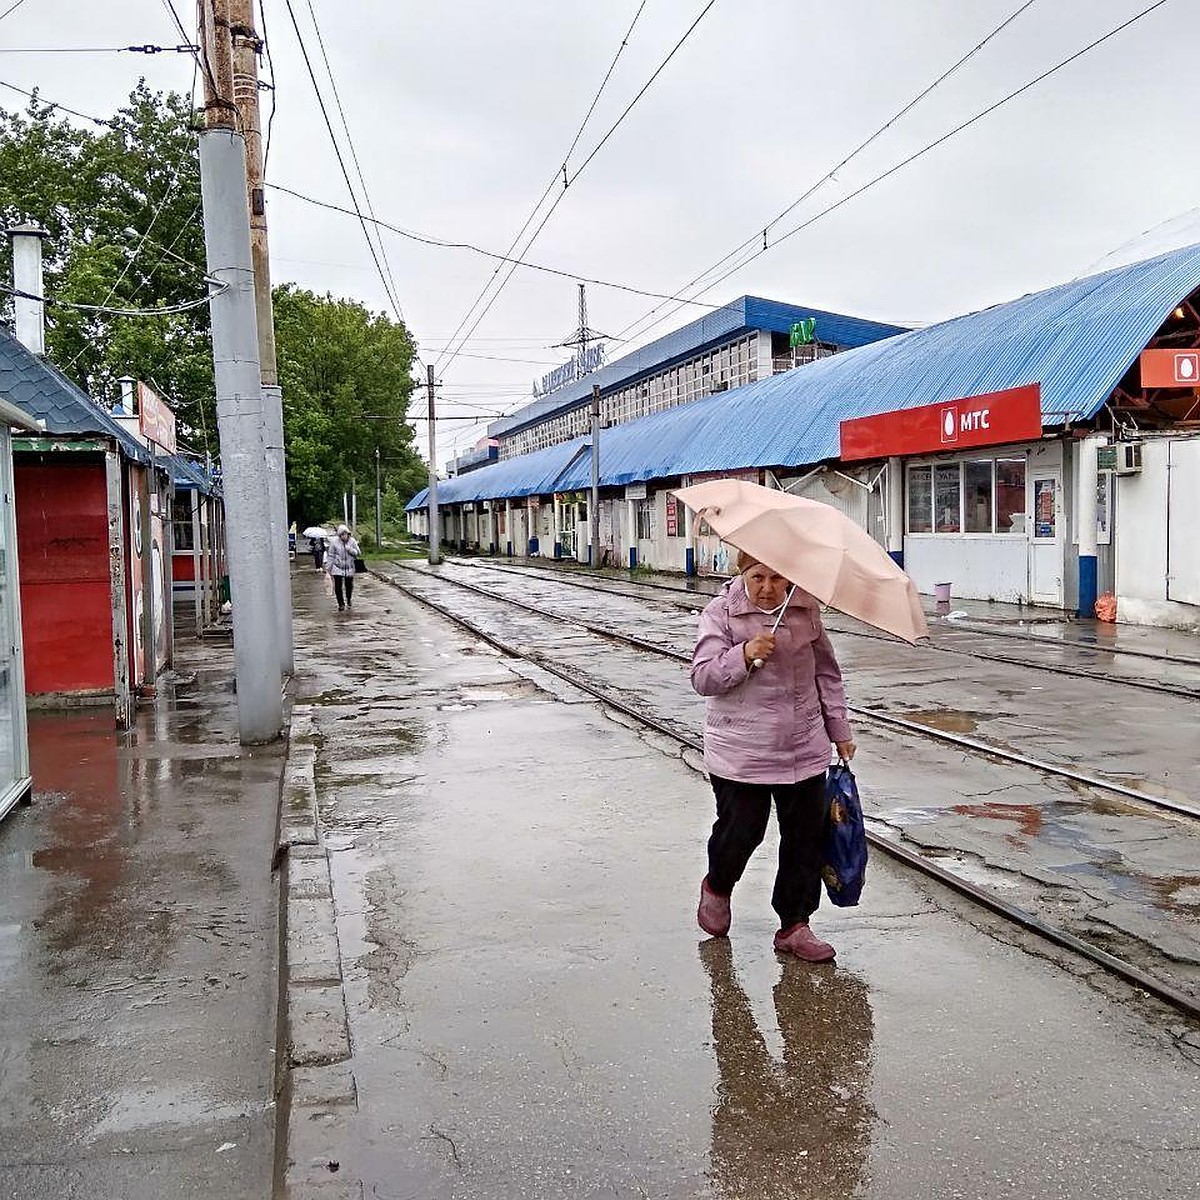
[(343, 589), (743, 810)]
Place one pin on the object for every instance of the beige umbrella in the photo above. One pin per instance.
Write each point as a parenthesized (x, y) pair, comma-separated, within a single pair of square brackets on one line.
[(814, 546)]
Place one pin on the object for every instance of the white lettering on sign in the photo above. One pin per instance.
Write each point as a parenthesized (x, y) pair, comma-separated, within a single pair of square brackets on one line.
[(971, 422)]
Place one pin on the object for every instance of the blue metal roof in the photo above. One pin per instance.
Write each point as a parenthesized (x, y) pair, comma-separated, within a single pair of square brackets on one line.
[(43, 391), (186, 473), (1077, 340), (745, 313)]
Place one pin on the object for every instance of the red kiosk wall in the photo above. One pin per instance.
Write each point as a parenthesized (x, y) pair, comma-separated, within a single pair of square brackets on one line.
[(62, 535)]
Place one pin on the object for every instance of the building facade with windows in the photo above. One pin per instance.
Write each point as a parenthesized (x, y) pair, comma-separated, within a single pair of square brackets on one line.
[(1028, 453), (734, 345)]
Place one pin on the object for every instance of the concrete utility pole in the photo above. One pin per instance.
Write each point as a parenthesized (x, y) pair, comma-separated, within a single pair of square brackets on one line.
[(245, 47), (594, 512), (239, 391), (435, 520)]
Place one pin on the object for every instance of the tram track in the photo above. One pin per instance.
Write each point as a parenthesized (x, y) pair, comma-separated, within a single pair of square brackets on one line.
[(1130, 972), (698, 599), (916, 728)]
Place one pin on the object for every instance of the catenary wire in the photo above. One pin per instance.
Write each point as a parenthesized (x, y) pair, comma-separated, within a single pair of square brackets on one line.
[(262, 21), (200, 55), (831, 174), (926, 149), (445, 244), (337, 98), (337, 150), (560, 170), (51, 104), (559, 198), (12, 8)]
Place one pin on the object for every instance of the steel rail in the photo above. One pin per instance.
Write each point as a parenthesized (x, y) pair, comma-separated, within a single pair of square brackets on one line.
[(1073, 672), (958, 740), (1021, 917)]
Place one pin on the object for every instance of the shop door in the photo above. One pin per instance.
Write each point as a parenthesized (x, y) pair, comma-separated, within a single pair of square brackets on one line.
[(1046, 538)]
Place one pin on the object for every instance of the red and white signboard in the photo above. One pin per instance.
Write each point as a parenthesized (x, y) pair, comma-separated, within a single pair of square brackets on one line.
[(1014, 415), (155, 419), (1170, 368)]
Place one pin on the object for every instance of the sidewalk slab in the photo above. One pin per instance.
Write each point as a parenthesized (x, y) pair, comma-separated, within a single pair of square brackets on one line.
[(138, 953)]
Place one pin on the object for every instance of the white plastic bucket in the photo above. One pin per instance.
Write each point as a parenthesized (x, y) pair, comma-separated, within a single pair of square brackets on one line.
[(941, 593)]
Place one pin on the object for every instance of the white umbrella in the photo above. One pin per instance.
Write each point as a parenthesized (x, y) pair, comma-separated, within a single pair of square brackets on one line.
[(315, 531)]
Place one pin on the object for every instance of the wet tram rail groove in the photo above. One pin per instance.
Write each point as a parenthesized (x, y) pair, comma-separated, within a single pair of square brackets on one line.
[(542, 638), (691, 599)]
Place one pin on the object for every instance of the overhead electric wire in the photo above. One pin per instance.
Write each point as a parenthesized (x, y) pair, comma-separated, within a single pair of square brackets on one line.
[(337, 150), (266, 41), (166, 310), (559, 171), (831, 174), (51, 104), (200, 55), (926, 149), (146, 49), (12, 8), (446, 244), (337, 97)]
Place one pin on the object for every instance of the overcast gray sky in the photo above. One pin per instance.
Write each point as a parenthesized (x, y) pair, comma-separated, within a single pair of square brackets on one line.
[(461, 112)]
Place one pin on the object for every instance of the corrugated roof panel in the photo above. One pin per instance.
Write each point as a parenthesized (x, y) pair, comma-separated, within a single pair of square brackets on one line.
[(1077, 340), (43, 391)]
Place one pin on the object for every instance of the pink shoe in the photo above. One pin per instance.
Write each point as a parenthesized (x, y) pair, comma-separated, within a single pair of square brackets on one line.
[(803, 943), (713, 913)]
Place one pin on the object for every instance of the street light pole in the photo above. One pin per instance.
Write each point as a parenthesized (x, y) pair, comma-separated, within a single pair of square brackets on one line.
[(435, 534), (378, 505)]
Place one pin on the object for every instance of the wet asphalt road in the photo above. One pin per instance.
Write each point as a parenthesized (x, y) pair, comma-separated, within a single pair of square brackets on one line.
[(138, 956), (534, 1014)]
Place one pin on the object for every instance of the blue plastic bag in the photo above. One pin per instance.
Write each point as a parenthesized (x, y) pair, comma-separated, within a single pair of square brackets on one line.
[(845, 868)]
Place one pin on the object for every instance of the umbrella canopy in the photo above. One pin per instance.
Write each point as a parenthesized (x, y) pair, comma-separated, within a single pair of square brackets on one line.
[(315, 531), (815, 546)]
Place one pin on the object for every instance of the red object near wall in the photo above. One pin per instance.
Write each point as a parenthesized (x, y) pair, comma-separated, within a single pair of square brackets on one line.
[(62, 540), (183, 567), (1013, 415)]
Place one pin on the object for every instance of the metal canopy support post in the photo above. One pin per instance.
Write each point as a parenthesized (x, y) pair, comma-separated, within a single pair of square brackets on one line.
[(115, 495), (197, 561), (378, 504), (149, 645), (508, 526), (166, 507), (240, 426), (689, 539), (895, 510), (631, 515), (1086, 521), (594, 509)]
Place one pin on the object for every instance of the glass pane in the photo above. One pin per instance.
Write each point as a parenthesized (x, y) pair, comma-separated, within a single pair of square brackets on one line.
[(946, 497), (1044, 515), (1010, 495), (977, 493), (920, 499)]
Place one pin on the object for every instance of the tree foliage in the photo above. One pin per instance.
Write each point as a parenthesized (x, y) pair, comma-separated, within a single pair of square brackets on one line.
[(121, 204), (346, 386)]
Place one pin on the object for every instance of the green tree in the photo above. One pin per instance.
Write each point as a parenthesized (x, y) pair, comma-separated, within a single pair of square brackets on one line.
[(346, 378), (121, 204)]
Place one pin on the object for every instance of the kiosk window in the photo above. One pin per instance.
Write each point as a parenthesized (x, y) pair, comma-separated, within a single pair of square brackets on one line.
[(1010, 495), (920, 499), (947, 496), (977, 496)]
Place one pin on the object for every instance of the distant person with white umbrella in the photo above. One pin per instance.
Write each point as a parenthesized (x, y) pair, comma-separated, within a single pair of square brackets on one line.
[(341, 565)]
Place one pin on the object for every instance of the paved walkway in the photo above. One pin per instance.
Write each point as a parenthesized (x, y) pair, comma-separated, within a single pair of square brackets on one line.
[(533, 1013), (138, 954)]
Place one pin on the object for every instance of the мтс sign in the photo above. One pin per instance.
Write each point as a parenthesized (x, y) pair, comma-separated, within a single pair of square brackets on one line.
[(1014, 415), (1170, 368)]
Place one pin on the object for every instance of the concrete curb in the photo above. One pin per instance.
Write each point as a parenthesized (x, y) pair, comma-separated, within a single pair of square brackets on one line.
[(316, 1080)]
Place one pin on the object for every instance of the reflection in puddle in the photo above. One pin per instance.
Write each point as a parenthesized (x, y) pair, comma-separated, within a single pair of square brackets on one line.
[(799, 1127)]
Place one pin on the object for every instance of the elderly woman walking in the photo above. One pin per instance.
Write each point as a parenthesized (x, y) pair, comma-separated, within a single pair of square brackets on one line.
[(339, 562), (776, 705)]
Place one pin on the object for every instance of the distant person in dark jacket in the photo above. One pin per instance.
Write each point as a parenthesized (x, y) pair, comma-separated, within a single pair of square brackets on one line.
[(339, 562), (316, 547)]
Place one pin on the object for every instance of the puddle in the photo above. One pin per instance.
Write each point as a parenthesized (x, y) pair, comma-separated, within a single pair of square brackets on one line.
[(457, 706), (947, 720), (337, 842), (1027, 817)]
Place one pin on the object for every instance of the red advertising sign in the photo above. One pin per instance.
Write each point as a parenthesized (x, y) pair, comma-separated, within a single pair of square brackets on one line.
[(672, 516), (1170, 368), (155, 419), (1014, 415)]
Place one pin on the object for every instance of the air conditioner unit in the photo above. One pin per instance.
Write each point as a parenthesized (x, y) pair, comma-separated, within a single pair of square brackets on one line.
[(1129, 458)]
